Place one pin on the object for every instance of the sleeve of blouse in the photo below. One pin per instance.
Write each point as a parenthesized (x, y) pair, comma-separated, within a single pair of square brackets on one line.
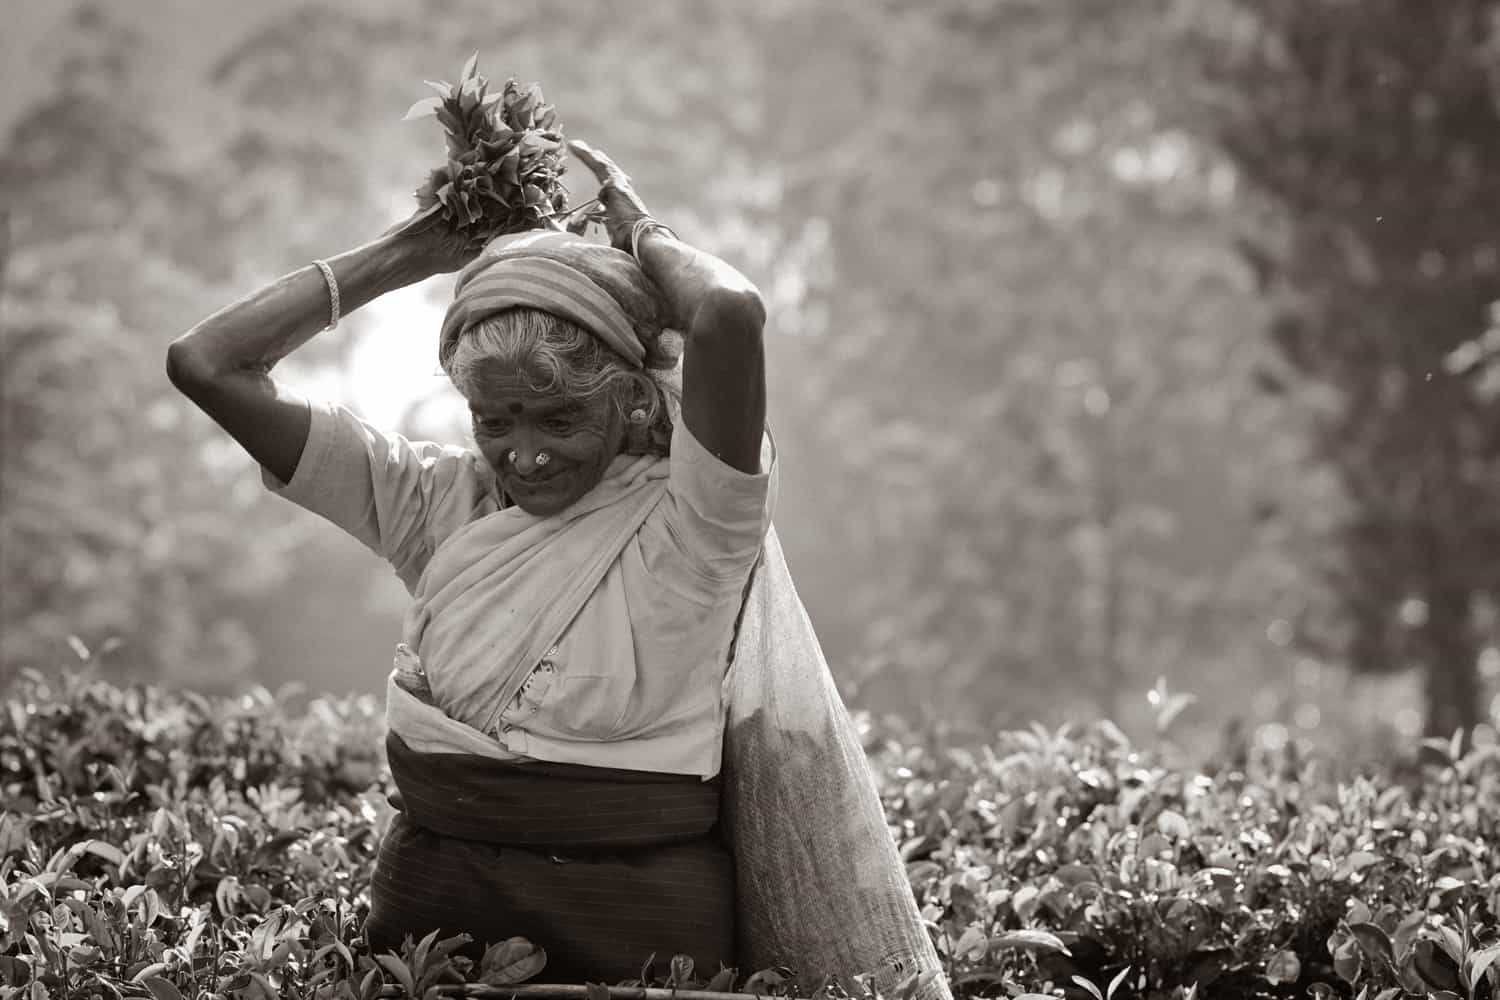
[(718, 514), (390, 493)]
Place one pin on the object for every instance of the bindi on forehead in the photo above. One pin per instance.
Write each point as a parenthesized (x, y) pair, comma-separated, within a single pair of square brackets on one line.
[(538, 408)]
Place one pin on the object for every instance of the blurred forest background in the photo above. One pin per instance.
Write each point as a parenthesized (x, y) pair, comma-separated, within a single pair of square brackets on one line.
[(1110, 339)]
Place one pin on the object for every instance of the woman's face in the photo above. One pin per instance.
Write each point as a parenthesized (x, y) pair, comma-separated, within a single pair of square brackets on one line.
[(579, 438)]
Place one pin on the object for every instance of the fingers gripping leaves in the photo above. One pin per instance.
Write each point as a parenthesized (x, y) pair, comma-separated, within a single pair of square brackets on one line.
[(504, 167), (504, 159)]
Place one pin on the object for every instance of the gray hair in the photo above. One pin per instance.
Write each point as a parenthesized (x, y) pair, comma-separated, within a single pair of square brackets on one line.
[(557, 357)]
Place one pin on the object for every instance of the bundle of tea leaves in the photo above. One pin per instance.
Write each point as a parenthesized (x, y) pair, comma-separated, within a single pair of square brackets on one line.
[(505, 158)]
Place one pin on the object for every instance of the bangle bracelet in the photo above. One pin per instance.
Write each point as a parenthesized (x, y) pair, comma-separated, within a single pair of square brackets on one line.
[(642, 226), (333, 294)]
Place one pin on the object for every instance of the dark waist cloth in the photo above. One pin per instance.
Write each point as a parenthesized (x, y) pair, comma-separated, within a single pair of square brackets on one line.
[(600, 866), (544, 804)]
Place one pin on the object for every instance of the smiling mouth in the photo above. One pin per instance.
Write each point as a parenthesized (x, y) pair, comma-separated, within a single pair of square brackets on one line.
[(537, 483)]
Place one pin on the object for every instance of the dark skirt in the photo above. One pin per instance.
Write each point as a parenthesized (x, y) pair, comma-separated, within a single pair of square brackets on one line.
[(601, 867)]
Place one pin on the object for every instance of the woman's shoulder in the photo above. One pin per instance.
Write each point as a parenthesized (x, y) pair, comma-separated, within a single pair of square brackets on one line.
[(706, 481), (462, 486), (380, 482), (433, 468), (716, 514), (689, 455)]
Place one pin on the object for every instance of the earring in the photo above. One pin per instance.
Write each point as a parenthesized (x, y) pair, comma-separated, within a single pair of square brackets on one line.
[(636, 435), (511, 456), (542, 458)]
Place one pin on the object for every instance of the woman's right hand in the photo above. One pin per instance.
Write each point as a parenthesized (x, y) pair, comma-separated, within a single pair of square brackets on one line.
[(224, 362), (428, 247)]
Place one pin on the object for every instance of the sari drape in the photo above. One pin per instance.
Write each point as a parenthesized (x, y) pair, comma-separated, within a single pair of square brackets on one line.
[(820, 885)]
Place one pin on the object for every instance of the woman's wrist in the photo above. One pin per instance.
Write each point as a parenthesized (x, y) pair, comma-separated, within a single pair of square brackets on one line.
[(644, 226), (686, 275), (266, 325), (393, 261), (383, 265), (650, 248)]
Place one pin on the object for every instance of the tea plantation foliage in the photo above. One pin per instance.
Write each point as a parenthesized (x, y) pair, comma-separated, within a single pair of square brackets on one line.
[(158, 843)]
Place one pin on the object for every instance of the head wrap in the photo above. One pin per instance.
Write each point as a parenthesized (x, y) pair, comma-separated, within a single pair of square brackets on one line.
[(531, 269)]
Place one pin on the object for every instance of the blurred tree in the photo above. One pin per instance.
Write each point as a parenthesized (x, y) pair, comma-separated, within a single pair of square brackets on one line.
[(1032, 383), (101, 473), (1372, 129), (1011, 345)]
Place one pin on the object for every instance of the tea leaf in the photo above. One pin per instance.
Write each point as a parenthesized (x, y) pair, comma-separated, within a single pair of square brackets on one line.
[(1087, 985), (972, 946), (681, 970), (1029, 940), (1480, 961), (425, 107), (1374, 942), (764, 981), (511, 961), (162, 989), (1283, 967), (398, 969)]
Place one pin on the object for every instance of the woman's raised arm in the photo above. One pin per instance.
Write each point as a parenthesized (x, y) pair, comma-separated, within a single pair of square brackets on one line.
[(223, 364), (719, 311)]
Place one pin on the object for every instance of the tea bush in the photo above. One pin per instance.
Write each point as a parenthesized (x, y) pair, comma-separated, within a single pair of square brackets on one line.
[(159, 843)]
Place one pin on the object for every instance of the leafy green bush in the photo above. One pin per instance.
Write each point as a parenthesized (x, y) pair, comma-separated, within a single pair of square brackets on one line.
[(1074, 859), (160, 843)]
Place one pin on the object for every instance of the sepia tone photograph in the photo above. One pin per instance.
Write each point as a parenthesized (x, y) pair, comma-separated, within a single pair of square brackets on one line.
[(691, 499)]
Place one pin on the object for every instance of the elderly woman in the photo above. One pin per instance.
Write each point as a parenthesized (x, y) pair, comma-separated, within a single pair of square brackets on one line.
[(582, 578)]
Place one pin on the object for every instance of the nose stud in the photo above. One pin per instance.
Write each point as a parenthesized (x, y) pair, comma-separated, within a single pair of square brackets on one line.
[(542, 458)]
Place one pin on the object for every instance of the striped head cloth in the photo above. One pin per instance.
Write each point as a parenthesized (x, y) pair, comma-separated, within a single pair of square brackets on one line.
[(530, 269)]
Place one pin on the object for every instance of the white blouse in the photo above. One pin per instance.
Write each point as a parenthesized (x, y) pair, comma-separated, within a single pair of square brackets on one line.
[(636, 681)]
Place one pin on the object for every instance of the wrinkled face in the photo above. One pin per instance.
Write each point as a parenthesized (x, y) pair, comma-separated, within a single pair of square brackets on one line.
[(580, 439)]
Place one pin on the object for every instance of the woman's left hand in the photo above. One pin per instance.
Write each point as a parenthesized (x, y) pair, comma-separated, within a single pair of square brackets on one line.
[(719, 312), (622, 206)]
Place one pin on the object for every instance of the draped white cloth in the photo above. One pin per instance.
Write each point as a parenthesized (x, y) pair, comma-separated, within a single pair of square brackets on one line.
[(820, 885)]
